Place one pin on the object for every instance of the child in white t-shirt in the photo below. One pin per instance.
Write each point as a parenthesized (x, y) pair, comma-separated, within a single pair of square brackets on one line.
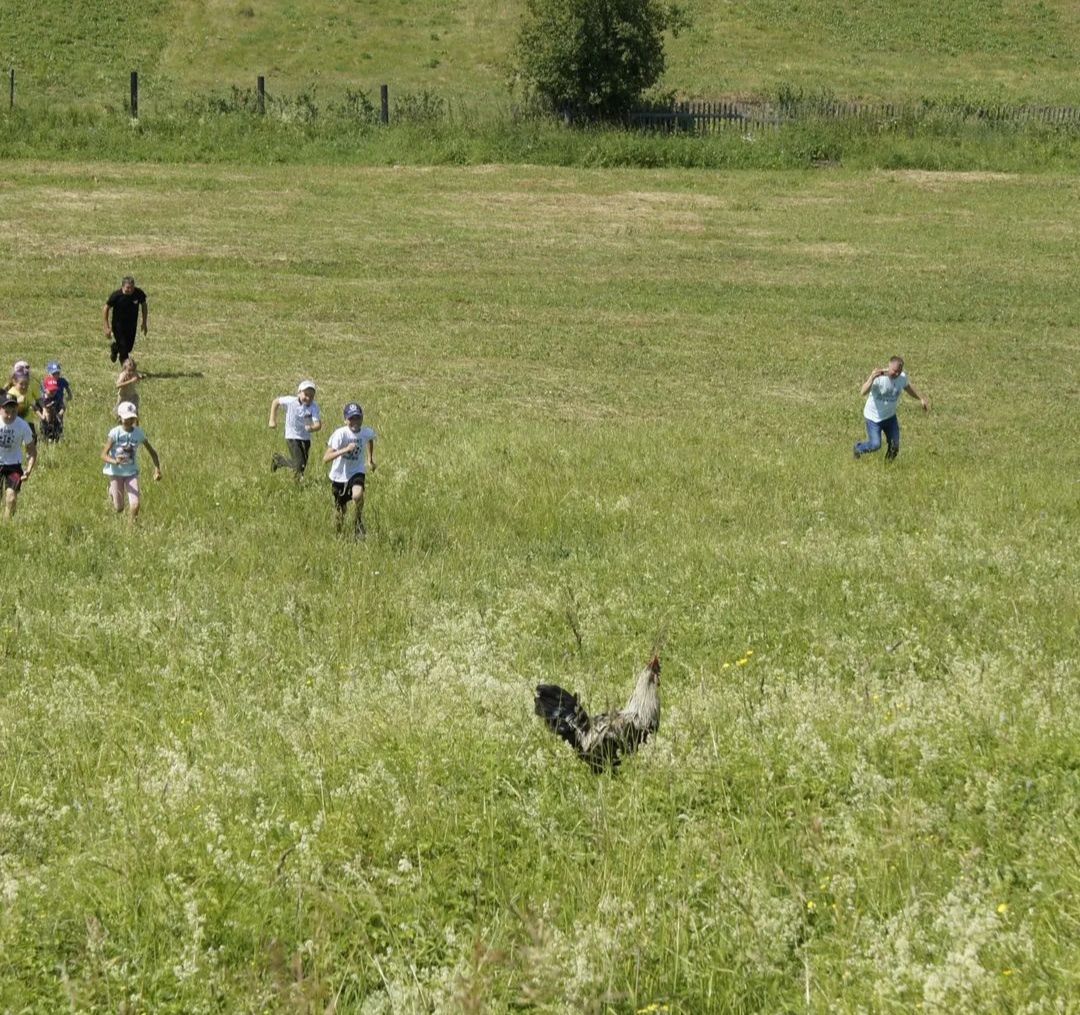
[(302, 419), (121, 465), (351, 449)]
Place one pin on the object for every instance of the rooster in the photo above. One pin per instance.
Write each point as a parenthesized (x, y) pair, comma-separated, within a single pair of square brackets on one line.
[(602, 740)]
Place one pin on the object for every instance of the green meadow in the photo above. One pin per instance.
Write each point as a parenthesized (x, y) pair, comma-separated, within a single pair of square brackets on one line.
[(249, 765), (991, 50)]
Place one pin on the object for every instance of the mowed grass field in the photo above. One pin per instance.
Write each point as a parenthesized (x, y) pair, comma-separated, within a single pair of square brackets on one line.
[(986, 50), (246, 765)]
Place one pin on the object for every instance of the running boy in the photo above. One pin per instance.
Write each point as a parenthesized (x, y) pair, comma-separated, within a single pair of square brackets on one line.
[(302, 419), (352, 450), (15, 434), (55, 391), (119, 457)]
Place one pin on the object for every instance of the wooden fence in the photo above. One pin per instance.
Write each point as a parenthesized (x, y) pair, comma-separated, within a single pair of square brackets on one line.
[(750, 114), (709, 117)]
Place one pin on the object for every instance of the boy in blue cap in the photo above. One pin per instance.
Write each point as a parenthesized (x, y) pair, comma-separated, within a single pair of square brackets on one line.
[(351, 449)]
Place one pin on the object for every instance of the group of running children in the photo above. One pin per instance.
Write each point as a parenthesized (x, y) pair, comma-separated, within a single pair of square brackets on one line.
[(350, 450)]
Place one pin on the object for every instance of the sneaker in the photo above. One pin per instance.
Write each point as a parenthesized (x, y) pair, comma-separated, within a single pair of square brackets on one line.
[(857, 453), (113, 351), (274, 463), (361, 532)]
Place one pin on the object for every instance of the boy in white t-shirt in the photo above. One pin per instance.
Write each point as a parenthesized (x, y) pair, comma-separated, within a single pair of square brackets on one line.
[(302, 419), (15, 434), (882, 389), (119, 456), (351, 449)]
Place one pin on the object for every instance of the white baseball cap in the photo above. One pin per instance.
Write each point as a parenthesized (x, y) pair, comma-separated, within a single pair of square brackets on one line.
[(304, 385), (127, 410)]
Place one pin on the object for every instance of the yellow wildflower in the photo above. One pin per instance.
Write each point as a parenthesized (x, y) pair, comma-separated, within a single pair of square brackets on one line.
[(1003, 908)]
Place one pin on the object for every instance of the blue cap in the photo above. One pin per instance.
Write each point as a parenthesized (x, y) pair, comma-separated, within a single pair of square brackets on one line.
[(52, 368), (353, 409)]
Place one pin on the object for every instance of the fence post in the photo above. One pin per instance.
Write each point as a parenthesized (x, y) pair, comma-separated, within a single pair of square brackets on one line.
[(12, 104), (134, 94), (384, 104), (260, 94)]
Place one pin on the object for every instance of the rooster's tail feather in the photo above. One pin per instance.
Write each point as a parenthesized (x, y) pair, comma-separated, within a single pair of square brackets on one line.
[(563, 713)]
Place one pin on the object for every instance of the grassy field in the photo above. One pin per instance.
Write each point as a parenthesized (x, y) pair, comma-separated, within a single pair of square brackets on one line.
[(247, 765), (998, 50)]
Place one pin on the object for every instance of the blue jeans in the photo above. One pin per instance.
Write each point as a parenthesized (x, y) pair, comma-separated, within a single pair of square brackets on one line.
[(890, 428)]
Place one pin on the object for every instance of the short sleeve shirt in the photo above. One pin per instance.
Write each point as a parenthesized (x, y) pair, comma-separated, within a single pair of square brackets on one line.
[(297, 415), (125, 445), (884, 392), (13, 437), (344, 468), (125, 309)]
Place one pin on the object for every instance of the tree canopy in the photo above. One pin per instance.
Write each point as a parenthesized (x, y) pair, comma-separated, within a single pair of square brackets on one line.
[(594, 58)]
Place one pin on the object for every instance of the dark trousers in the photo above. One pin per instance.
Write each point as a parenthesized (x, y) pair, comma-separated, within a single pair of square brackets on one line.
[(122, 347), (298, 456)]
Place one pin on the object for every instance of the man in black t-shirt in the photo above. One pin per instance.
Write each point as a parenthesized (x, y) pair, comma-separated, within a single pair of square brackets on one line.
[(125, 304)]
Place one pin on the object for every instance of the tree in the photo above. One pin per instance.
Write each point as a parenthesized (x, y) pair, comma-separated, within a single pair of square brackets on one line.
[(594, 58)]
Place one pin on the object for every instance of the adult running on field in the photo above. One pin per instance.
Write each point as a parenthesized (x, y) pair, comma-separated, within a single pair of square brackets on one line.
[(125, 305)]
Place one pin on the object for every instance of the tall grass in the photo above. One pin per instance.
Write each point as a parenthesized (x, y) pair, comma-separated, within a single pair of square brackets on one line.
[(248, 765), (426, 129)]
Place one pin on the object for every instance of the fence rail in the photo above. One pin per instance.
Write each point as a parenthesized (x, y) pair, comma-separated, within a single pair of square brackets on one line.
[(709, 117), (706, 117)]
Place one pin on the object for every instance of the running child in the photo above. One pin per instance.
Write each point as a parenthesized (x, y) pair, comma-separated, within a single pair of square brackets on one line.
[(19, 386), (52, 405), (351, 448), (302, 419), (126, 382), (15, 434), (119, 456)]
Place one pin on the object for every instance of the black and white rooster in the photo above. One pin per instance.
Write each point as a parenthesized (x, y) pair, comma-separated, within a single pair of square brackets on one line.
[(602, 740)]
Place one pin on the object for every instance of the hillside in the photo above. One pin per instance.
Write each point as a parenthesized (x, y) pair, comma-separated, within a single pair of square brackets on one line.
[(1006, 49)]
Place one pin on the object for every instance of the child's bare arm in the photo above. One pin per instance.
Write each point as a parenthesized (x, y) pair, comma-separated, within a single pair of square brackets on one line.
[(154, 457)]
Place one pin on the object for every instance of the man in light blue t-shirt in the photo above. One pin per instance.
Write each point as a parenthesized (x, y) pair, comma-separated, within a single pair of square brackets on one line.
[(882, 389)]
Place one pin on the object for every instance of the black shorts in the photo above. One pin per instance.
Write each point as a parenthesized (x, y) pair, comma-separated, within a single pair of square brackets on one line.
[(343, 491), (11, 477)]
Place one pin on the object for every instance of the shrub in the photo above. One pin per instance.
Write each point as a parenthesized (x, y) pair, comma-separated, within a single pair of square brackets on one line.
[(593, 58)]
